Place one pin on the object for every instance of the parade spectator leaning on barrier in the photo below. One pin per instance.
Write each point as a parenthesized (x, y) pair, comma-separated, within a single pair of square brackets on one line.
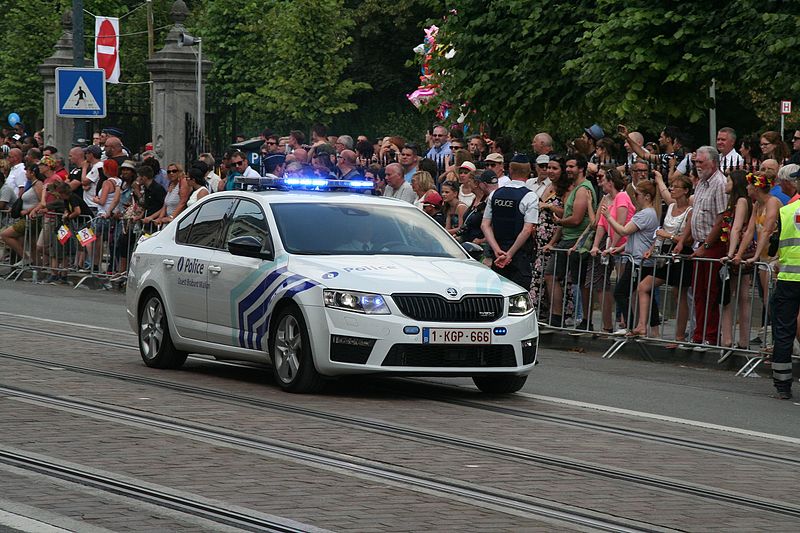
[(551, 203), (762, 224), (14, 235), (578, 210), (607, 241), (640, 233), (709, 203), (90, 176), (47, 208), (676, 273)]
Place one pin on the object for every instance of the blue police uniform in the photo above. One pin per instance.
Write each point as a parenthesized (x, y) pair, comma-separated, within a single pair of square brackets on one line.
[(507, 223)]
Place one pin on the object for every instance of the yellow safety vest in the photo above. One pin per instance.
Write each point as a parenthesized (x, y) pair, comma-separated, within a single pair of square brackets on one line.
[(789, 248)]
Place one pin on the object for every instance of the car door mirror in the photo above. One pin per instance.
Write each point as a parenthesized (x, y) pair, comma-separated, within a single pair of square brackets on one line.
[(474, 251), (250, 246)]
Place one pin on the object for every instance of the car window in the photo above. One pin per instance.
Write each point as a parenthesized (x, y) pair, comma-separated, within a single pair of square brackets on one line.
[(209, 223), (184, 227), (356, 229), (248, 219)]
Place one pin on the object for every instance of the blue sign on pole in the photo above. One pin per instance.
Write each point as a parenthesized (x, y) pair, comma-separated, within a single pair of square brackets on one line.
[(81, 92)]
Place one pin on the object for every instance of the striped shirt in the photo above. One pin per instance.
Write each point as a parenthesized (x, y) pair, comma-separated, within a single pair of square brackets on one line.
[(709, 201)]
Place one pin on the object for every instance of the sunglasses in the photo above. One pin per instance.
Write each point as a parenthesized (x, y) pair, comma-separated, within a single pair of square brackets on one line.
[(271, 143), (173, 171), (491, 165), (237, 163), (542, 165)]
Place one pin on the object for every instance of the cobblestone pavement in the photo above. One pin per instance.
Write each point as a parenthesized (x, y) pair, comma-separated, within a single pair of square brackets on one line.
[(337, 499)]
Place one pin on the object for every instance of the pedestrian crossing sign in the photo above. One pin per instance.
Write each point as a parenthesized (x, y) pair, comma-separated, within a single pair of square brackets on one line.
[(81, 92)]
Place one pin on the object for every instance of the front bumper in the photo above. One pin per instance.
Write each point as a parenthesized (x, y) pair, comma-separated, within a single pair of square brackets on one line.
[(350, 343)]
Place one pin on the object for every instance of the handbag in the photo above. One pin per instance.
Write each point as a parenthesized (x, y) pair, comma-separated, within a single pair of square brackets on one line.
[(16, 208)]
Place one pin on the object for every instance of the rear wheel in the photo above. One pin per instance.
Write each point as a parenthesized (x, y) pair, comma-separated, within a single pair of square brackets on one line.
[(500, 384), (290, 351), (155, 342)]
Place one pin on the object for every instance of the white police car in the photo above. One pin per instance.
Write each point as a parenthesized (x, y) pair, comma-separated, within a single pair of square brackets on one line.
[(326, 284)]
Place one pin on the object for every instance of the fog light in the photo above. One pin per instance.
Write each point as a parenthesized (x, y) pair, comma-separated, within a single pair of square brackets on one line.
[(500, 331)]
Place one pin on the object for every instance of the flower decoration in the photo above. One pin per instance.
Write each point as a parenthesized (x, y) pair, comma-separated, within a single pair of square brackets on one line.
[(759, 181)]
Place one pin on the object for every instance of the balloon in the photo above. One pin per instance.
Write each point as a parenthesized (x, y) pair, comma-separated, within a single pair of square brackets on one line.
[(13, 119)]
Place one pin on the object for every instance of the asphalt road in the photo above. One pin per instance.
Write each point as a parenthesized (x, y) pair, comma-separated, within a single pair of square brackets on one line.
[(664, 389)]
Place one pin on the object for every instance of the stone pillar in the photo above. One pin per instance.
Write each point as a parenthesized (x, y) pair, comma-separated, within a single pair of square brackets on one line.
[(57, 130), (173, 71)]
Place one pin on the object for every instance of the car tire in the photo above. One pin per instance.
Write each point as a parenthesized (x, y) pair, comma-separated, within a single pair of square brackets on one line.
[(500, 384), (155, 342), (290, 352)]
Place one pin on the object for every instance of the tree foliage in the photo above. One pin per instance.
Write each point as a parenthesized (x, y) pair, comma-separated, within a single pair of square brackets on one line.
[(527, 65)]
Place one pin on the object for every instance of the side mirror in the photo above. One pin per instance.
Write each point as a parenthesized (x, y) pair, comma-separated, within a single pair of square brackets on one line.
[(250, 246), (474, 251)]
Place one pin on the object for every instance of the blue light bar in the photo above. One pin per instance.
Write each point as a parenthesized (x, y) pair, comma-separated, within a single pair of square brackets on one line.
[(305, 184)]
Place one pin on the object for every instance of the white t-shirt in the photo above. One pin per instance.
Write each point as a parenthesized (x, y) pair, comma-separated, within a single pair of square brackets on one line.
[(529, 206), (466, 198), (16, 177), (213, 181), (91, 192), (502, 181), (404, 192)]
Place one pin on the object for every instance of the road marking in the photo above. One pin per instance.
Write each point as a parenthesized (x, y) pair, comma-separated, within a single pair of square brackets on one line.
[(65, 323), (662, 418), (23, 523)]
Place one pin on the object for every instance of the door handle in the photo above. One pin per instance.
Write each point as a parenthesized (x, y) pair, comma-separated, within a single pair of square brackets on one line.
[(169, 263), (214, 269)]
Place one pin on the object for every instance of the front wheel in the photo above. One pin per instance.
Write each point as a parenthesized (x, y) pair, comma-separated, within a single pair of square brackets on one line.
[(500, 384), (290, 351), (155, 342)]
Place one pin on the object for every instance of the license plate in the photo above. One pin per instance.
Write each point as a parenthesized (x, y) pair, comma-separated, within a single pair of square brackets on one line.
[(456, 336)]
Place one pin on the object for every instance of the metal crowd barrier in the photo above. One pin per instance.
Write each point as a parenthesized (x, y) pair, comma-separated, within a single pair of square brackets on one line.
[(737, 313), (85, 248)]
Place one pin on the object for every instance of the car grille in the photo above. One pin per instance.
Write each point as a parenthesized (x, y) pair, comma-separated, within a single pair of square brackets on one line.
[(434, 308), (439, 355)]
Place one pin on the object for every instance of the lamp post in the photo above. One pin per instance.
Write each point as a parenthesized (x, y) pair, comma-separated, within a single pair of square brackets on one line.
[(187, 40)]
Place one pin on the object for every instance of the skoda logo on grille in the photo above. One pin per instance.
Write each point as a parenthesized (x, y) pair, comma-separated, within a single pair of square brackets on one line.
[(452, 292)]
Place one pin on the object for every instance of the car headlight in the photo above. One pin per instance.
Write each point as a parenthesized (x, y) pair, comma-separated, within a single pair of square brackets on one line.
[(358, 302), (520, 304)]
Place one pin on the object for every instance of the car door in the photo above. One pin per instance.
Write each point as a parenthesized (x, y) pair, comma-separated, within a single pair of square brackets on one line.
[(187, 271), (239, 293)]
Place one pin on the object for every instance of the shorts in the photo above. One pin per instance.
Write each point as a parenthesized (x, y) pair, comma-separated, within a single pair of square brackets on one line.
[(675, 274), (560, 263), (598, 275)]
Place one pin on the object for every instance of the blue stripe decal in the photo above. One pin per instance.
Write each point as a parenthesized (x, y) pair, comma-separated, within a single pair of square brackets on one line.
[(252, 298), (246, 285), (258, 313), (260, 333)]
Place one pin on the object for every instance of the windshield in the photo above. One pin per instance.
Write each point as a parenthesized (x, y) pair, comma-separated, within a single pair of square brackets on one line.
[(346, 229)]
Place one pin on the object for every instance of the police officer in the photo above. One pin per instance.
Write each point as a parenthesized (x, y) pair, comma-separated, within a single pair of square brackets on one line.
[(786, 302), (511, 213)]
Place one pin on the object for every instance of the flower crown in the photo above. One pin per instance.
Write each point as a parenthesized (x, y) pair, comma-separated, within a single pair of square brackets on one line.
[(759, 181)]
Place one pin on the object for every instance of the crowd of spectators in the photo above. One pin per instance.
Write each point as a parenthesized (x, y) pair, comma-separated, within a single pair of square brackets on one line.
[(608, 208)]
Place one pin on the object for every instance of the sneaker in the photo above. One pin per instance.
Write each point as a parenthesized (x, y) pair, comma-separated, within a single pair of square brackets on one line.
[(51, 280), (702, 348), (620, 331)]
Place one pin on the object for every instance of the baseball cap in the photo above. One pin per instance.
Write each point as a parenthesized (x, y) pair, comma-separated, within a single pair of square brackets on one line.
[(488, 177), (795, 174), (433, 198), (521, 158), (128, 164), (494, 157), (94, 150), (542, 159), (469, 165)]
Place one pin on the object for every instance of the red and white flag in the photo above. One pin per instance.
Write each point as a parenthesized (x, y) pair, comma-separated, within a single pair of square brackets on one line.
[(106, 47)]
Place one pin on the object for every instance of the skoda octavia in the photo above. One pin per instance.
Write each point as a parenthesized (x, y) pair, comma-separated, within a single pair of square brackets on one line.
[(324, 284)]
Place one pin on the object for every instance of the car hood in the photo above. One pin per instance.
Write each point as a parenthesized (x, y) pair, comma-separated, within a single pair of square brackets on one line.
[(388, 274)]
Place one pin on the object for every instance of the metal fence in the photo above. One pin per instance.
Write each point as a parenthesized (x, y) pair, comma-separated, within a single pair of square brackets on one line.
[(678, 302), (53, 248)]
